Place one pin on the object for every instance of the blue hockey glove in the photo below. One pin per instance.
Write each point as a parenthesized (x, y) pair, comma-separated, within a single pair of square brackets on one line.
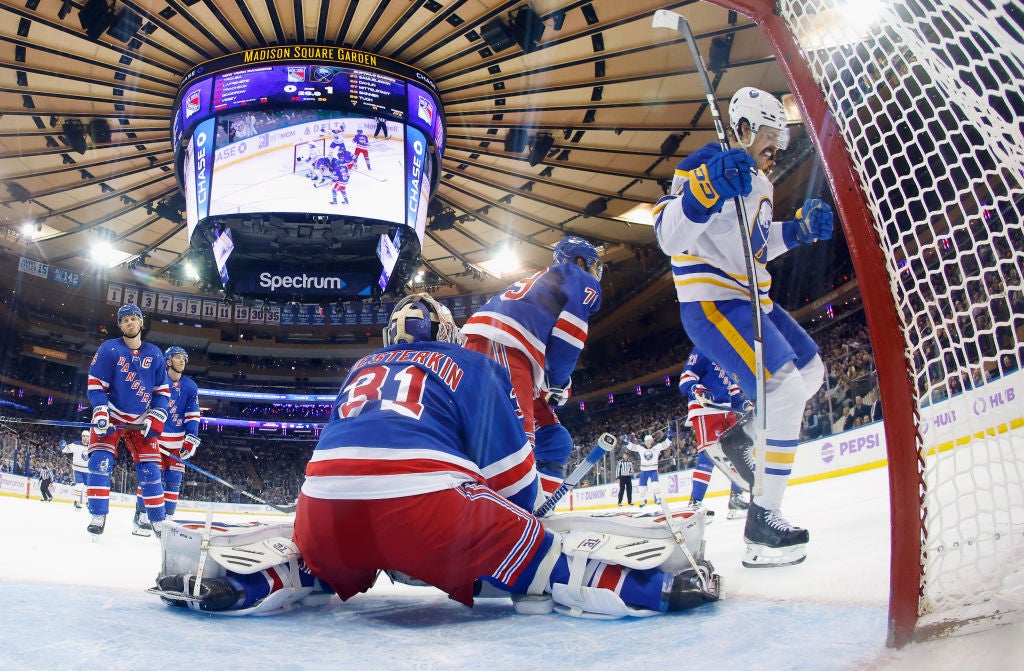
[(726, 175), (748, 406), (814, 221), (101, 420)]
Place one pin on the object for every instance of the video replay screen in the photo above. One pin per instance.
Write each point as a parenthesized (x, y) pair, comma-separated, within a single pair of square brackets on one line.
[(315, 157)]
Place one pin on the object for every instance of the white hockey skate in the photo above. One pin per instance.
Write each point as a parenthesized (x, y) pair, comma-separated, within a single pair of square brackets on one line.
[(771, 540), (96, 524), (141, 525)]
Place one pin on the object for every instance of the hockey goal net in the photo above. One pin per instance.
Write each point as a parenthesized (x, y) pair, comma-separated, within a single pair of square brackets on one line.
[(917, 112), (307, 151)]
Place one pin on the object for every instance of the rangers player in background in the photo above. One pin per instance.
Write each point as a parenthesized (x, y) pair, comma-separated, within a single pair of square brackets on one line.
[(424, 469), (697, 226), (650, 454), (79, 465), (127, 385), (537, 329), (362, 143), (340, 170), (714, 402), (180, 437)]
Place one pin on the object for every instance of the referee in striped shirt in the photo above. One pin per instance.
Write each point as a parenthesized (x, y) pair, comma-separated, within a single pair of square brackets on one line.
[(624, 471)]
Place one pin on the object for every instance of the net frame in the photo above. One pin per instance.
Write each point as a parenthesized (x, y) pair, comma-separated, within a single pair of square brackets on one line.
[(930, 592)]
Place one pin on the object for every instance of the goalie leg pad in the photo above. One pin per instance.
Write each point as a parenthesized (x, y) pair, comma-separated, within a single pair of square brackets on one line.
[(181, 543), (631, 526), (594, 603)]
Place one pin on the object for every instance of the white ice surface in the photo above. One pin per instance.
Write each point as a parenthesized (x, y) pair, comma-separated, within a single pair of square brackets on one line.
[(68, 602)]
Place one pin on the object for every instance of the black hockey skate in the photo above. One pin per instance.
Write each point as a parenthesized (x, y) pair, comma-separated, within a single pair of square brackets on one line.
[(141, 525), (771, 540), (737, 446), (690, 589), (96, 524), (214, 593), (738, 506)]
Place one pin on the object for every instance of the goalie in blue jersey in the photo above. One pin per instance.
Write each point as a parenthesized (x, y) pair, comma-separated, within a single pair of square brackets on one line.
[(424, 471)]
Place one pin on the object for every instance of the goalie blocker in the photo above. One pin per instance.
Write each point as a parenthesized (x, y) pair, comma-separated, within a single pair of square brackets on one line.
[(256, 569)]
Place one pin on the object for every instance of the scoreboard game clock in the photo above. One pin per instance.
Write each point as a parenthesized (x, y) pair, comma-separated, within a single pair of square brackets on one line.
[(307, 171)]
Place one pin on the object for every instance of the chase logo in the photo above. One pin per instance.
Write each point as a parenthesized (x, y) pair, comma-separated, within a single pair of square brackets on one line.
[(193, 102), (828, 453)]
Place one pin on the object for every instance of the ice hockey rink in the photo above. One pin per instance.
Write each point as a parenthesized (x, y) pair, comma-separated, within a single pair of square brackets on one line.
[(73, 603)]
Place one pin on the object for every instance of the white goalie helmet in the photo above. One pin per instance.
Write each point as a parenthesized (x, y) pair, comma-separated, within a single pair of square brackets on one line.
[(759, 108), (419, 318)]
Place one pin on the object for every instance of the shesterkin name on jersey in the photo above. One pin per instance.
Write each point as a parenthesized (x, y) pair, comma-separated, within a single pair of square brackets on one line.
[(446, 369)]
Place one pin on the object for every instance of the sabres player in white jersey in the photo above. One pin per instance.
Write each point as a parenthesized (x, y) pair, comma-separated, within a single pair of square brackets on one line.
[(697, 226), (79, 465), (180, 437), (536, 329), (650, 455), (424, 470), (127, 385), (714, 401)]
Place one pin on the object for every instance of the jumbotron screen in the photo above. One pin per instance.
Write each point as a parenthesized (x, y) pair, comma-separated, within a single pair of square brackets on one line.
[(315, 160)]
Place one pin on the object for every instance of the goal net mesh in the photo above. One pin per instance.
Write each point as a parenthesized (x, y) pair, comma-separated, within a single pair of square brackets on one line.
[(928, 98)]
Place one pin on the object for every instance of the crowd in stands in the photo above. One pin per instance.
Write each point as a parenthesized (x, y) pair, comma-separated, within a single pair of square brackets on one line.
[(272, 467)]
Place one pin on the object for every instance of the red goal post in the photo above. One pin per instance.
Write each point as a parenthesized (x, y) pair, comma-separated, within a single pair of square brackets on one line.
[(867, 84)]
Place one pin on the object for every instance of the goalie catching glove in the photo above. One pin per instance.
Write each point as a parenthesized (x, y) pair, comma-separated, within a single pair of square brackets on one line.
[(558, 395), (153, 422), (189, 446)]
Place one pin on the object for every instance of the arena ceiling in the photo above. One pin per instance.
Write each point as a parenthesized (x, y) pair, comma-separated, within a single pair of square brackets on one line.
[(620, 100)]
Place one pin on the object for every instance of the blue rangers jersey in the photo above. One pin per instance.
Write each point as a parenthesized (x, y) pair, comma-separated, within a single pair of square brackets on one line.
[(129, 382), (702, 370), (182, 413), (545, 316), (420, 418), (708, 260)]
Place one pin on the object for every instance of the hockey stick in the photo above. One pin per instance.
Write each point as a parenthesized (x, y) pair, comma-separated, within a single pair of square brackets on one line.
[(44, 422), (605, 443), (284, 509), (366, 174), (664, 18)]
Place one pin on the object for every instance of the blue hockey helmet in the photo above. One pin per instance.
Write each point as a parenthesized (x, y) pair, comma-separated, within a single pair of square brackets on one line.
[(419, 318), (174, 349), (129, 309), (574, 247)]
